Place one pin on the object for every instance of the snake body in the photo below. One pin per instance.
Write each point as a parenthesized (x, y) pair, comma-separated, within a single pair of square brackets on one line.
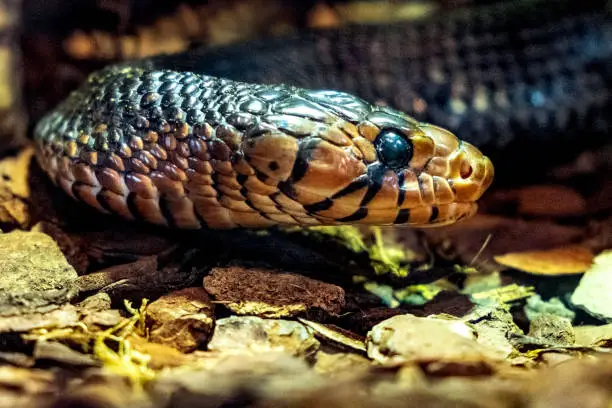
[(191, 151), (161, 141)]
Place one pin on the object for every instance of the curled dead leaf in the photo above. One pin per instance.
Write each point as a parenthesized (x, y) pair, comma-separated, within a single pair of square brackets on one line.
[(14, 189), (565, 260)]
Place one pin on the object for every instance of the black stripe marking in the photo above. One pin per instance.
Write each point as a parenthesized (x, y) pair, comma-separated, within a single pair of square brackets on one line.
[(451, 184), (420, 184), (261, 176), (287, 189), (434, 184), (435, 211), (131, 205), (376, 173), (257, 210), (360, 214), (320, 206), (303, 157), (250, 204), (165, 210), (402, 216), (244, 191), (241, 178), (279, 207), (359, 183), (401, 196)]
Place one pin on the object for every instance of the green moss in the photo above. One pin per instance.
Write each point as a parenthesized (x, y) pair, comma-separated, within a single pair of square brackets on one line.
[(386, 258), (503, 295), (350, 236), (417, 294)]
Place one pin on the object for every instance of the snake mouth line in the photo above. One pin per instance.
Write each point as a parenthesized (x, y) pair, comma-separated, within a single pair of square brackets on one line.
[(428, 215)]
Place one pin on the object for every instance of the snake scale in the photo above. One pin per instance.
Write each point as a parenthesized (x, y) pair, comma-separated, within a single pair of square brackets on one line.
[(161, 140)]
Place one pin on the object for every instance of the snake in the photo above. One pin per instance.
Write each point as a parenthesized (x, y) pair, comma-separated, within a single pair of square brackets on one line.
[(214, 139)]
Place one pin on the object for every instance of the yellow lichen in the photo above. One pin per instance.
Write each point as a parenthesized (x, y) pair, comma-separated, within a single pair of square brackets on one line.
[(123, 359)]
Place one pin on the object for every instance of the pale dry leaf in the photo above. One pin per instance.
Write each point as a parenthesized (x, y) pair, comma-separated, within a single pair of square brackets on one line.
[(566, 260)]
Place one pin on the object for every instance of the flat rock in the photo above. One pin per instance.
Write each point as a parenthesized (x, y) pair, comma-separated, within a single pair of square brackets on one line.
[(268, 293), (240, 380), (436, 343), (593, 291), (35, 273), (249, 333), (62, 354), (494, 326), (552, 329), (57, 317)]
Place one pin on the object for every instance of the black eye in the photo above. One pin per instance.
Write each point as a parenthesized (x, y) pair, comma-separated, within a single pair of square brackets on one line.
[(394, 149)]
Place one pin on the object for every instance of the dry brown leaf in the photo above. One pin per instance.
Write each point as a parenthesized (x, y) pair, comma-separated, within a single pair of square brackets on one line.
[(558, 261), (14, 189)]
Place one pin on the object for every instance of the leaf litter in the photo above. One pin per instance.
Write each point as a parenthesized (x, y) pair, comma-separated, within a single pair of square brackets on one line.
[(383, 311)]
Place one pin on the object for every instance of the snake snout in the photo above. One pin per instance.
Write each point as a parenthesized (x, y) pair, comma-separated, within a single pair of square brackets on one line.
[(468, 172)]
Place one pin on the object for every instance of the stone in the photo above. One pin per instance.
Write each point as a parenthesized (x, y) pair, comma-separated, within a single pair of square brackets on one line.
[(249, 333), (183, 319), (435, 343), (35, 273)]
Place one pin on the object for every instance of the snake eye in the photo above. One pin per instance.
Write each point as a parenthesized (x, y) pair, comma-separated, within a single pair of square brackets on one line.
[(393, 148)]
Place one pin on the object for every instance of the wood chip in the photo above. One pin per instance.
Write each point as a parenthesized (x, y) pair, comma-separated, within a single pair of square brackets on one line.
[(269, 293)]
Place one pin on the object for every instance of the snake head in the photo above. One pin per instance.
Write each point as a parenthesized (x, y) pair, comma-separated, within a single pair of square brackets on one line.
[(364, 164)]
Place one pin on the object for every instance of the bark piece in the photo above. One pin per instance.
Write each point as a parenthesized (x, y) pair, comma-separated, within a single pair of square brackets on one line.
[(267, 293)]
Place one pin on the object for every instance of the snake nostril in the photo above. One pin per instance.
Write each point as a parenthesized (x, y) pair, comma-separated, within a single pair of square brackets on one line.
[(466, 169)]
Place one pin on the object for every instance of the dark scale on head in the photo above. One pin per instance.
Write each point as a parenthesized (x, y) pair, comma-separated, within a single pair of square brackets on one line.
[(394, 149)]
